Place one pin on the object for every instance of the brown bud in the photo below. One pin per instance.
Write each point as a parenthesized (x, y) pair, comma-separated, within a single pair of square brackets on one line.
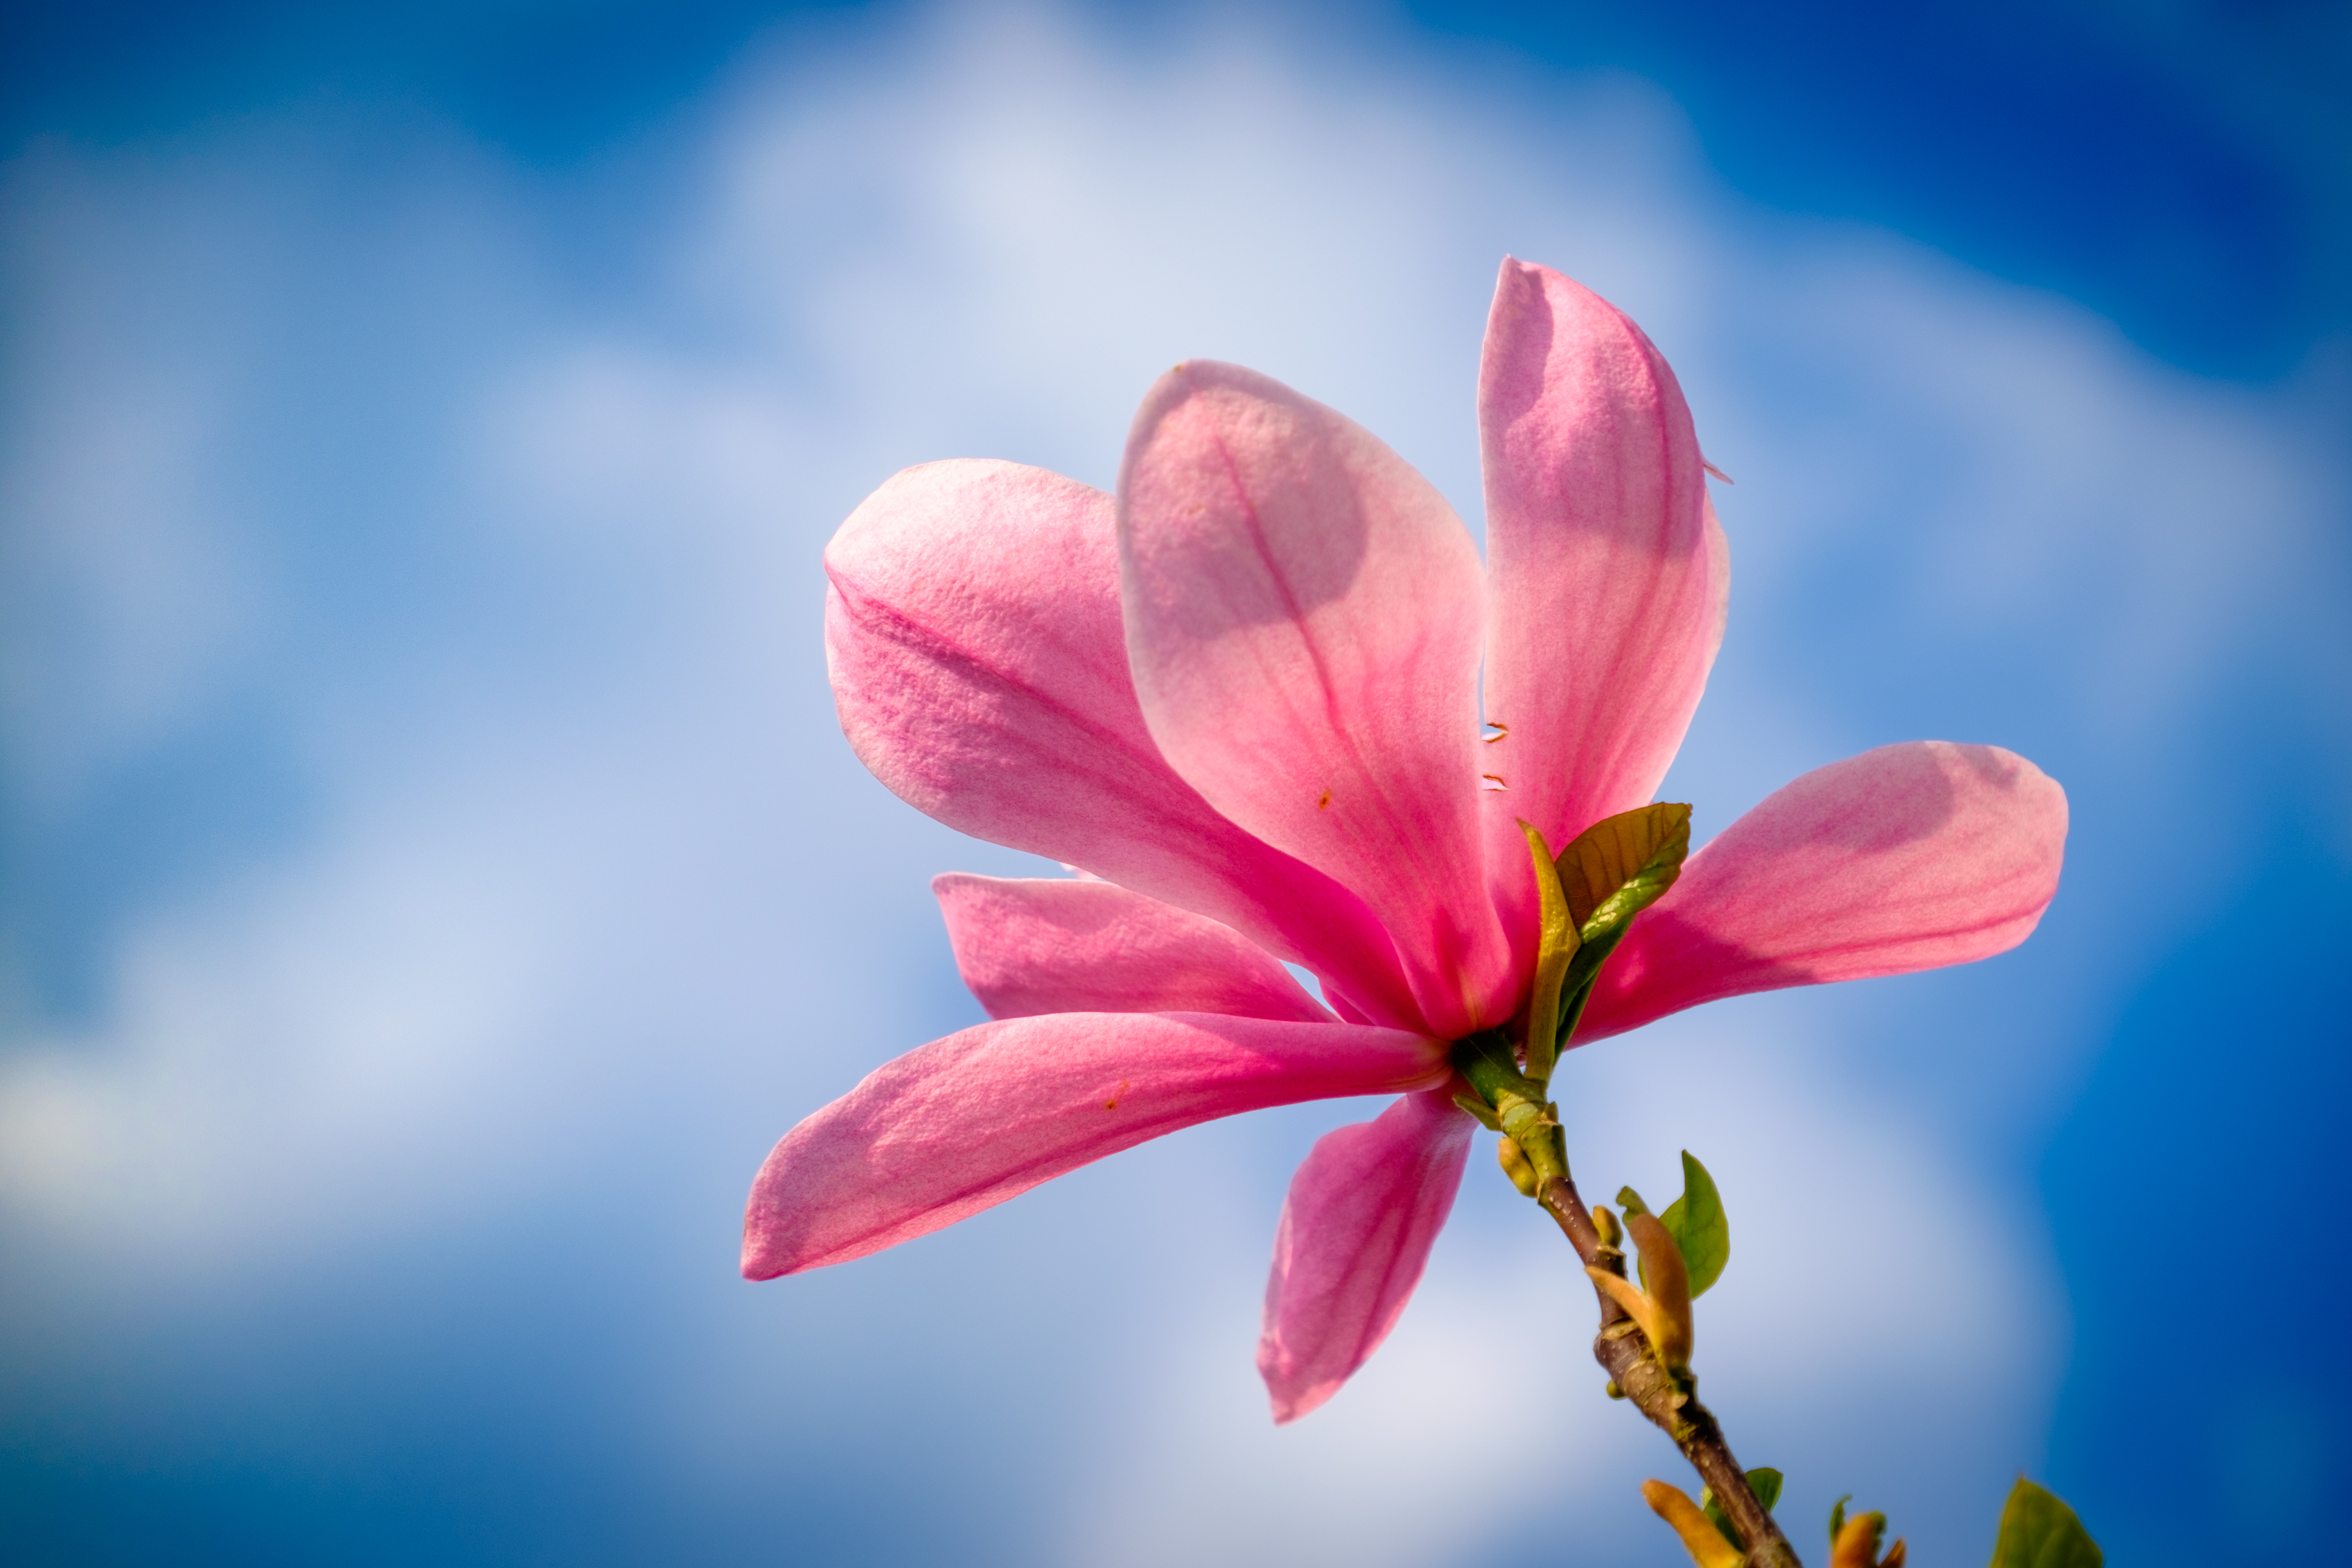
[(1857, 1544), (1705, 1544), (1663, 1311)]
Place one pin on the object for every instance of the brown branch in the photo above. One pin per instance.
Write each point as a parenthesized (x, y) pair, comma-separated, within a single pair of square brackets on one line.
[(1516, 1105), (1667, 1401)]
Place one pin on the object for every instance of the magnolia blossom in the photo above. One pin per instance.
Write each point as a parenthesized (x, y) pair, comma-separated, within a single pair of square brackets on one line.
[(1242, 699)]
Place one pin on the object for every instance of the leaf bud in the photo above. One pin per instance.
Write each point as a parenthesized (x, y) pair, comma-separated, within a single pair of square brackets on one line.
[(1857, 1544), (1515, 1166), (1663, 1311), (1700, 1538)]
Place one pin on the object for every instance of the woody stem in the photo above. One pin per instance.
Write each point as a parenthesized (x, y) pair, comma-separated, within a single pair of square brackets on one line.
[(1625, 1354), (1520, 1109)]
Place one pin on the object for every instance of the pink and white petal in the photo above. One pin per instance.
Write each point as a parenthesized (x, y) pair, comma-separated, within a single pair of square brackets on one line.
[(1034, 945), (1303, 622), (979, 668), (1909, 857), (1607, 573), (1363, 1211), (965, 1122)]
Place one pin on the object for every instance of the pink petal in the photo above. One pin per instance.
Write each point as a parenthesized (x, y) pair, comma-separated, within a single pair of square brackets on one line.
[(1355, 1235), (972, 630), (1608, 575), (964, 1123), (1910, 857), (1042, 945), (1302, 617)]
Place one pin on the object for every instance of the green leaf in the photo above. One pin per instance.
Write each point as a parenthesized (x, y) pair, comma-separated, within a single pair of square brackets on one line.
[(1764, 1482), (1621, 864), (2037, 1530), (1695, 1222), (1609, 873), (1837, 1516)]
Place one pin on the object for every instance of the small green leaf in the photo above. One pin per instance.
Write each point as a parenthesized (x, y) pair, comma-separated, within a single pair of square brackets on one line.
[(1609, 873), (1764, 1482), (1695, 1222), (2037, 1530), (1837, 1516)]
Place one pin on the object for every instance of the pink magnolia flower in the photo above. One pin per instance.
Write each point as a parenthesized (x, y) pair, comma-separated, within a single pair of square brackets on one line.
[(1244, 695)]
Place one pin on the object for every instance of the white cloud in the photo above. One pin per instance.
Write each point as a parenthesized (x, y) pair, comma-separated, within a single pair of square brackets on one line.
[(594, 879), (128, 591)]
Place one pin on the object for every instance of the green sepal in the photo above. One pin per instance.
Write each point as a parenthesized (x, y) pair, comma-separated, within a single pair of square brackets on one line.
[(1481, 1110), (1837, 1516), (1492, 1068), (1764, 1481), (2037, 1530), (1555, 944), (1520, 1111), (1696, 1222), (1609, 873)]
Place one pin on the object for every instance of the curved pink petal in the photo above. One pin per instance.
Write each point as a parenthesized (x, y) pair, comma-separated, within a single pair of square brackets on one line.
[(972, 632), (1303, 619), (1355, 1234), (965, 1122), (1034, 945), (1909, 857), (1608, 576)]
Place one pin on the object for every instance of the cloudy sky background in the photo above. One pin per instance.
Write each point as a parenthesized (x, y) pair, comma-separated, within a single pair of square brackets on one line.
[(434, 876)]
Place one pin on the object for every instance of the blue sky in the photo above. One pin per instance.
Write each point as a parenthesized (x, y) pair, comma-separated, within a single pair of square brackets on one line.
[(435, 876)]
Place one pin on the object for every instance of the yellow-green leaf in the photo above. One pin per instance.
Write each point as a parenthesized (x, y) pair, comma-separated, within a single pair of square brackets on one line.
[(1696, 1222), (1621, 864), (1609, 873), (2037, 1530), (1556, 943)]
